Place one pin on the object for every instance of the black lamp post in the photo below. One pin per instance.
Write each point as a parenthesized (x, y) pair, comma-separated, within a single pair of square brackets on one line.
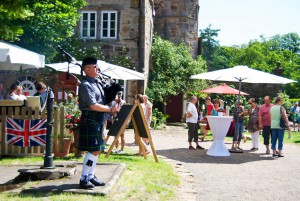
[(48, 158)]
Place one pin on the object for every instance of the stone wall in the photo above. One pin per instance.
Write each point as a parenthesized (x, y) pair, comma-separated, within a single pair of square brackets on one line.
[(177, 21), (135, 28)]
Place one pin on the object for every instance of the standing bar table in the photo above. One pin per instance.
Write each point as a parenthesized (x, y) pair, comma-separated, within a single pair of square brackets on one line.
[(219, 126)]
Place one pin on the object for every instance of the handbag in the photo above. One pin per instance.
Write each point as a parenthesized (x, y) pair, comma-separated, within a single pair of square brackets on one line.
[(282, 121)]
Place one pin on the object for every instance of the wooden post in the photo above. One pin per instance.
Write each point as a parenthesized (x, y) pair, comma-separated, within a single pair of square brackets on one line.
[(139, 142), (122, 129), (149, 135)]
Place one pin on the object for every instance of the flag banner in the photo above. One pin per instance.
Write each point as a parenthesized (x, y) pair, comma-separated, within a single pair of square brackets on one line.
[(26, 132)]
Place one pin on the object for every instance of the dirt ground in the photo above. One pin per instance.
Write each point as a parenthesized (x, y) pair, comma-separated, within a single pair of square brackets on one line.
[(241, 176)]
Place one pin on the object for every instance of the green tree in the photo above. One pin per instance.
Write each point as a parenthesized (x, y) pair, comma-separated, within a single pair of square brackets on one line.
[(11, 10), (264, 54), (209, 43), (173, 66), (53, 22)]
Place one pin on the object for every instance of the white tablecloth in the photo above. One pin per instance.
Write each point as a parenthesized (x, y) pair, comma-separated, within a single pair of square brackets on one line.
[(219, 126)]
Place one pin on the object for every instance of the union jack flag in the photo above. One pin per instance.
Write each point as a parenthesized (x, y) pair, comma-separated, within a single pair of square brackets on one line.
[(26, 132)]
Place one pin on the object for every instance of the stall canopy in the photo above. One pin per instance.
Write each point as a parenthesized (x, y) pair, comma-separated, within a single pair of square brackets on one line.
[(114, 71), (14, 58), (223, 89), (242, 74)]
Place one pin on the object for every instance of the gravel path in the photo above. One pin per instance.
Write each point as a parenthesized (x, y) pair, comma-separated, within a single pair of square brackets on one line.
[(244, 176)]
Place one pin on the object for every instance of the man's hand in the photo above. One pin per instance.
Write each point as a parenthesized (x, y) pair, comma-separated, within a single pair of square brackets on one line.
[(260, 126), (115, 109)]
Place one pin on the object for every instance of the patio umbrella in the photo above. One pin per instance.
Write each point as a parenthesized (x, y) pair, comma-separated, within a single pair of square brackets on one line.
[(242, 74), (114, 71), (13, 57), (223, 89)]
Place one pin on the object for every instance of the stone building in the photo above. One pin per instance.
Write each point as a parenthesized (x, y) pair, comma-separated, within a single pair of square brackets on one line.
[(120, 27), (177, 21)]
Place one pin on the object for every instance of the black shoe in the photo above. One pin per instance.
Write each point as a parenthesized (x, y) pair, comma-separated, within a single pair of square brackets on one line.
[(192, 148), (199, 147), (280, 155), (85, 184), (96, 182), (275, 155)]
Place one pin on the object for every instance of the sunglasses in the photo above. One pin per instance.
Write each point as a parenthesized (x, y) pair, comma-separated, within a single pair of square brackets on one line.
[(95, 66)]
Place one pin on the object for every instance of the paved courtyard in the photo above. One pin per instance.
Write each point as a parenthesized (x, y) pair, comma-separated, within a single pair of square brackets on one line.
[(246, 176)]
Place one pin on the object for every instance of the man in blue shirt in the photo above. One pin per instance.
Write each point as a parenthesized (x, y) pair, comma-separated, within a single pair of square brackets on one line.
[(294, 112)]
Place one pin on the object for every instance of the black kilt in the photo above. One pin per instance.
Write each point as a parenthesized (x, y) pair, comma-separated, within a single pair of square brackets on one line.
[(90, 131)]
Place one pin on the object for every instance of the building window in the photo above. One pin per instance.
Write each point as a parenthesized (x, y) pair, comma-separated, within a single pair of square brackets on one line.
[(109, 21), (88, 24)]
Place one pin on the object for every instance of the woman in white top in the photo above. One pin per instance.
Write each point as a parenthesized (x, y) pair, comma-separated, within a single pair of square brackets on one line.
[(192, 121), (19, 93)]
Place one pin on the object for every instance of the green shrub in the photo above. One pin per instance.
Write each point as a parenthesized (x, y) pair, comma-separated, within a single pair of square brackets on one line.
[(294, 100), (286, 103), (158, 119)]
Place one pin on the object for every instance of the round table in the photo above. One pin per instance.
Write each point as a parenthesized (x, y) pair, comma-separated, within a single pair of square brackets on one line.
[(219, 126)]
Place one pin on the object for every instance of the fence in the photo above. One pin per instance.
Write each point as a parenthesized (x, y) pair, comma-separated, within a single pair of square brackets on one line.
[(21, 112)]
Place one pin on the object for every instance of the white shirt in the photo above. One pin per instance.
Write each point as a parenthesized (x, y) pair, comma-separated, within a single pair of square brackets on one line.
[(22, 97), (148, 106), (193, 110), (144, 109), (12, 96)]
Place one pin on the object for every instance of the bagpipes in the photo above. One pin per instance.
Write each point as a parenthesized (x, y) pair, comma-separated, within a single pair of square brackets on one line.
[(109, 86)]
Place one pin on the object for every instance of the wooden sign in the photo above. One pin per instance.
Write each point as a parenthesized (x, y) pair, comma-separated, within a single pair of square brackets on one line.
[(134, 113)]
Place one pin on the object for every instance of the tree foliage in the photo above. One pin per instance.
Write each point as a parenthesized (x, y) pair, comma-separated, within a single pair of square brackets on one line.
[(11, 10), (264, 54), (173, 66), (52, 22), (209, 43)]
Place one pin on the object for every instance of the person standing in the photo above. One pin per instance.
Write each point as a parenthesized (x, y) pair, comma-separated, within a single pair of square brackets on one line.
[(294, 111), (209, 108), (238, 117), (264, 121), (192, 122), (119, 102), (1, 89), (148, 113), (93, 106), (12, 92), (277, 132), (41, 92), (139, 99), (253, 126)]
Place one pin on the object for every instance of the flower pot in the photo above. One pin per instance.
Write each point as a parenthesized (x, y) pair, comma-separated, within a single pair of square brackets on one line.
[(77, 152), (65, 149)]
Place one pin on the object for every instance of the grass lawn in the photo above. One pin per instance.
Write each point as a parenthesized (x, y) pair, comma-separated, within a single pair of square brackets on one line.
[(142, 180)]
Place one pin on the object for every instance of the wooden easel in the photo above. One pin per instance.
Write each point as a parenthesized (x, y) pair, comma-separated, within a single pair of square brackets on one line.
[(135, 113)]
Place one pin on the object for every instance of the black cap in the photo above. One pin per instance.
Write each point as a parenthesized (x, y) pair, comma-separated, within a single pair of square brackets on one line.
[(89, 60)]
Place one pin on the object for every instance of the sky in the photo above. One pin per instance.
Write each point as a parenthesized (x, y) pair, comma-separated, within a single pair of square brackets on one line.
[(243, 20)]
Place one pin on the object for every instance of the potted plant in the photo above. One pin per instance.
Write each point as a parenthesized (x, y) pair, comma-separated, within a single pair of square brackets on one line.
[(64, 149), (72, 122)]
